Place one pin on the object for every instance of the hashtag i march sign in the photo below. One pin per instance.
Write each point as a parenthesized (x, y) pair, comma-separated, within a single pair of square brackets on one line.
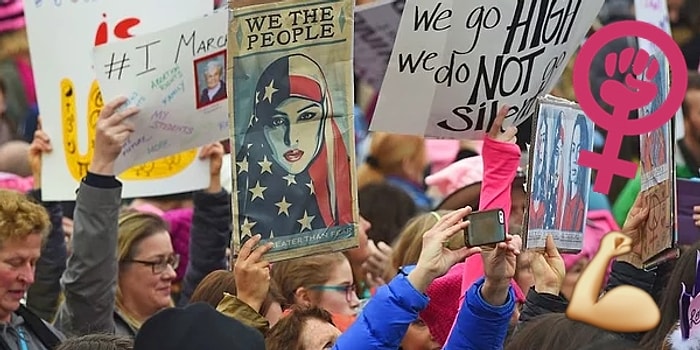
[(455, 63), (62, 38), (176, 77)]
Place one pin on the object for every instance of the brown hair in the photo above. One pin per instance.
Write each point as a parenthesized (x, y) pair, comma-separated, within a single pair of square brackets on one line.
[(134, 228), (286, 333), (290, 275), (386, 156), (212, 288), (693, 84), (20, 217), (555, 331), (388, 208), (97, 342)]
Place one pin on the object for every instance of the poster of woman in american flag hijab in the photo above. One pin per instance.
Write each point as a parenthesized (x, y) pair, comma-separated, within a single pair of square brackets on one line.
[(294, 179)]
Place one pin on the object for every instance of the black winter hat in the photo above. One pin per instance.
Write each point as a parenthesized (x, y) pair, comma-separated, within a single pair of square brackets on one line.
[(196, 327)]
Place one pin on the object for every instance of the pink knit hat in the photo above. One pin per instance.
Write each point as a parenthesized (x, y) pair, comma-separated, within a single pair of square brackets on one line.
[(180, 222), (16, 183), (11, 15), (457, 175), (441, 153), (445, 294)]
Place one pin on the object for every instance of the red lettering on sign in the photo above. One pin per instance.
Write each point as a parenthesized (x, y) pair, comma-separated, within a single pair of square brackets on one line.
[(122, 30)]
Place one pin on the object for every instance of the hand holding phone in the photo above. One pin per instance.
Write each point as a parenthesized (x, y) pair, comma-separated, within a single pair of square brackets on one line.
[(486, 228)]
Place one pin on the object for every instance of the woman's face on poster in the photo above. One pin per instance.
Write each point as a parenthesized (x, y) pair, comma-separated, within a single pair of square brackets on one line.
[(294, 135), (574, 153)]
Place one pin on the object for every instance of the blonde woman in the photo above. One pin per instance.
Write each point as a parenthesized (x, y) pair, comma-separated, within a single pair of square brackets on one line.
[(400, 160), (123, 266)]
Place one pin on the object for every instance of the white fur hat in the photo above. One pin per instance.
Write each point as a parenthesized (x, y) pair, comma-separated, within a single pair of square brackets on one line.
[(675, 341)]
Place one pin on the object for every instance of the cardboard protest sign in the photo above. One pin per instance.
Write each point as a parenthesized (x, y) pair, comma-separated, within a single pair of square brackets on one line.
[(656, 13), (177, 79), (292, 127), (455, 63), (61, 37), (558, 187), (376, 25)]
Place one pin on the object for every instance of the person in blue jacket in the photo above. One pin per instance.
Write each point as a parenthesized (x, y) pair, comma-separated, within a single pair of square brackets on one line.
[(482, 322)]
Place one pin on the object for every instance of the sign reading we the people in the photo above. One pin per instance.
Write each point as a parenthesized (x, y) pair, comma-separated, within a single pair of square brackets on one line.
[(559, 186), (177, 79), (455, 63), (292, 127), (61, 37)]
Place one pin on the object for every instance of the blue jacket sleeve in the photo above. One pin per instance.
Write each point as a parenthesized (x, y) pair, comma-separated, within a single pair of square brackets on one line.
[(481, 326), (385, 319)]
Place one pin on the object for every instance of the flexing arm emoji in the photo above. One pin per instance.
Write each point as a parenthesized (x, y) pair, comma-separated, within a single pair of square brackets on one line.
[(625, 309)]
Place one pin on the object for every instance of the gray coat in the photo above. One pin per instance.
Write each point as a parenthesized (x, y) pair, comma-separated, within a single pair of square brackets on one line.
[(90, 280)]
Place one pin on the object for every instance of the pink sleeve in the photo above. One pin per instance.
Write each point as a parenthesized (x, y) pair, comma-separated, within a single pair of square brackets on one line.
[(501, 162)]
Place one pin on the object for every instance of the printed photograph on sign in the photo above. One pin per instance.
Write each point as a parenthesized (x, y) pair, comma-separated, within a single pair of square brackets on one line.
[(558, 186), (654, 146), (293, 137), (211, 79)]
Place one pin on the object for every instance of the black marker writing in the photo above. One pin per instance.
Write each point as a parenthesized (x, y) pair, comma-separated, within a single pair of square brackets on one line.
[(147, 59)]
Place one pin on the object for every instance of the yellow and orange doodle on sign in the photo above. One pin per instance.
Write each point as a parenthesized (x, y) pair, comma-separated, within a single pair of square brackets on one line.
[(78, 162), (62, 36)]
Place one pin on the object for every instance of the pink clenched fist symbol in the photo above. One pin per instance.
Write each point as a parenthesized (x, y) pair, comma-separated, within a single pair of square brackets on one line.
[(634, 92)]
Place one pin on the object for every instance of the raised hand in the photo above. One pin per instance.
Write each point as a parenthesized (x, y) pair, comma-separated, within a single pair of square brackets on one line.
[(696, 215), (252, 273), (496, 131), (377, 263), (634, 224), (215, 153), (111, 132), (40, 144), (499, 269), (436, 259), (548, 268), (634, 92)]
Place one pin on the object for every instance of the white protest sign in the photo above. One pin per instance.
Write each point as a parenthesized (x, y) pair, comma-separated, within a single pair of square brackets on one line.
[(455, 63), (655, 12), (376, 25), (61, 37), (176, 77)]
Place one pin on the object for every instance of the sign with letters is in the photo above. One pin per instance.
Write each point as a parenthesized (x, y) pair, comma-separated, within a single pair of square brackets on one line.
[(61, 38), (176, 77), (455, 63)]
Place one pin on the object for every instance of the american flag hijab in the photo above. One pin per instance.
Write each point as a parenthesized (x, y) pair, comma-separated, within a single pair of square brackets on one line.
[(281, 192)]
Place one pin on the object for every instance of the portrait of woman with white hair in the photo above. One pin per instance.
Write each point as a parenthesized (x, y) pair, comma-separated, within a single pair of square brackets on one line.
[(211, 81)]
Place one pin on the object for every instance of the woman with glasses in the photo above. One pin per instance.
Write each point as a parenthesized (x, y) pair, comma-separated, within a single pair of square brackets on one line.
[(123, 265), (325, 281)]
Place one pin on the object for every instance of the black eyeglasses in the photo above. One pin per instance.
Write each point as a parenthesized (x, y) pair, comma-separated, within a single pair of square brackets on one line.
[(159, 266)]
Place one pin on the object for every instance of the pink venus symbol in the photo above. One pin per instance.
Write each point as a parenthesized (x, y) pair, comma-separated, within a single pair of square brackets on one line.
[(632, 93)]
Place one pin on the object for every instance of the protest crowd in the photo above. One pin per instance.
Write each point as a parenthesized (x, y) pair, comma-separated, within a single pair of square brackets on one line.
[(103, 272)]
